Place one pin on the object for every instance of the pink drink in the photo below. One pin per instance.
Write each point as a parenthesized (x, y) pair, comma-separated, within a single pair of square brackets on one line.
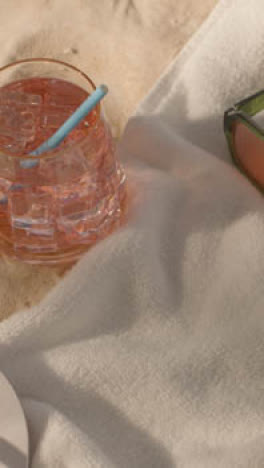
[(71, 197)]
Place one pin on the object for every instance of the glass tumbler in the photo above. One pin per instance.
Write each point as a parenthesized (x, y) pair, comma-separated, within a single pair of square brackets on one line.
[(69, 198)]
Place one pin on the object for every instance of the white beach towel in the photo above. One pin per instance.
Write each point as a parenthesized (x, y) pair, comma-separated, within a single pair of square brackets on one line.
[(150, 352)]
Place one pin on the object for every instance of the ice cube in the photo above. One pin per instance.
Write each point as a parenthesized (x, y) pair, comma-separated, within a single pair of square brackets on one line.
[(54, 119), (27, 122), (14, 145), (18, 98), (64, 168), (32, 220), (17, 127), (31, 209), (82, 208)]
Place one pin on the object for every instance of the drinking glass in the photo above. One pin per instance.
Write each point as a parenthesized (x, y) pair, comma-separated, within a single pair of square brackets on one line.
[(69, 198)]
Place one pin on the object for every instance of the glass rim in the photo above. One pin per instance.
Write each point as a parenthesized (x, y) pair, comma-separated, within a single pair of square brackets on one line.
[(56, 151)]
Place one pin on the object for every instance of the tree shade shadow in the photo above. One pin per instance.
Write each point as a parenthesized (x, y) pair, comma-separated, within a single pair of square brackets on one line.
[(121, 441), (11, 456)]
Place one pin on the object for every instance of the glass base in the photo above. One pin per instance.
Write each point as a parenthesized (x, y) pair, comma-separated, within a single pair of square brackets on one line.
[(70, 255)]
